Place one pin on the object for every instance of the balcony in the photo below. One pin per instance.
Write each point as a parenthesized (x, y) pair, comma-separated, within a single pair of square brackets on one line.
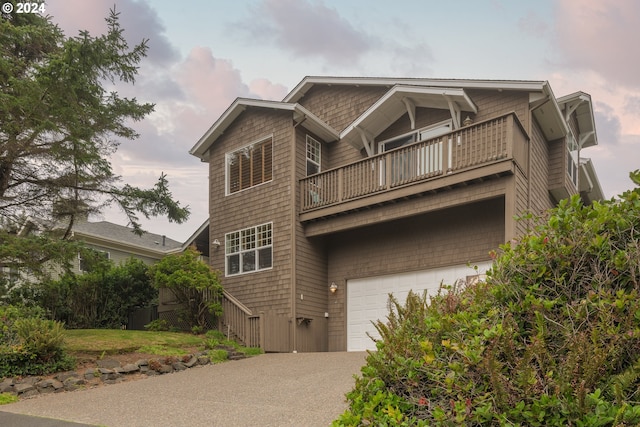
[(479, 151)]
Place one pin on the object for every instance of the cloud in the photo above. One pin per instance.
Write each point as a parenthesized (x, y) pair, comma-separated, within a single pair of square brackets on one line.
[(601, 36), (137, 18), (533, 24), (264, 89), (210, 82), (307, 29), (632, 105), (607, 124), (613, 164)]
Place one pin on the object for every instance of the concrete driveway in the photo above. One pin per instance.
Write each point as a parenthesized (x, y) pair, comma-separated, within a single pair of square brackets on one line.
[(303, 389)]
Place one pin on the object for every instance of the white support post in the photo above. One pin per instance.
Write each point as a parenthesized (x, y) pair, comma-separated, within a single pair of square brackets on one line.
[(411, 110), (368, 145), (455, 112)]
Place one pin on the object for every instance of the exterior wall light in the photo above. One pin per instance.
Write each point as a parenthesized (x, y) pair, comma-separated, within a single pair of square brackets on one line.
[(216, 243), (333, 288)]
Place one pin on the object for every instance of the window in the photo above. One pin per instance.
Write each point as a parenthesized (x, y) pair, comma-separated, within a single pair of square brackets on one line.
[(313, 156), (86, 265), (249, 250), (249, 166)]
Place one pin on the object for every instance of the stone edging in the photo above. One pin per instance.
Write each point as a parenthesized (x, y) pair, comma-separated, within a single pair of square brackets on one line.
[(108, 371)]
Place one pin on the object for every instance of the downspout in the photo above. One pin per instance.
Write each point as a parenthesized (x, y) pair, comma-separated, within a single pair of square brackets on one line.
[(294, 231), (529, 134)]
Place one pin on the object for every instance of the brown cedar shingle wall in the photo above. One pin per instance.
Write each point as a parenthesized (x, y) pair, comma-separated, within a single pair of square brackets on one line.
[(448, 237), (492, 103), (339, 106), (541, 170), (311, 268), (269, 202)]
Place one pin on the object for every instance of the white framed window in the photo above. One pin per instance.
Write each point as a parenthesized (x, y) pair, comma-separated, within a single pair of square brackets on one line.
[(314, 156), (249, 250), (249, 166)]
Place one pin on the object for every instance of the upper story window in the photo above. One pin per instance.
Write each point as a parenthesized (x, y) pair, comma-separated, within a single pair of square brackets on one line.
[(251, 165), (249, 250), (314, 156), (418, 135)]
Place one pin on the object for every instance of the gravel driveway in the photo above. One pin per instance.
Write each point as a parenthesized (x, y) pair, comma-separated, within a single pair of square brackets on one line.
[(284, 389)]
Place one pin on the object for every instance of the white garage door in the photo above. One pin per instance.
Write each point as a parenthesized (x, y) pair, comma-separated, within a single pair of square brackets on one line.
[(367, 299)]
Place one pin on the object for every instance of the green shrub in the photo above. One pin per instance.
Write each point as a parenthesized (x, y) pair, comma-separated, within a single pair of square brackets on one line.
[(551, 339), (44, 338), (194, 284), (30, 344), (100, 299)]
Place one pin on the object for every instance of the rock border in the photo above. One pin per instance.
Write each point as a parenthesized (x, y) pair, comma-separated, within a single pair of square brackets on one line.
[(107, 371)]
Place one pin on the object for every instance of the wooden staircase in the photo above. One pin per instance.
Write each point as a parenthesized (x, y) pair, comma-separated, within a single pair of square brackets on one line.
[(239, 322)]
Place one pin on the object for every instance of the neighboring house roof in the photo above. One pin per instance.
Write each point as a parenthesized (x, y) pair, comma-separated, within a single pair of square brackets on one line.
[(110, 233), (301, 115)]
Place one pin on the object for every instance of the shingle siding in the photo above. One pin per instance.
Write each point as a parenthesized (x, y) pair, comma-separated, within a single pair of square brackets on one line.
[(340, 105), (267, 290)]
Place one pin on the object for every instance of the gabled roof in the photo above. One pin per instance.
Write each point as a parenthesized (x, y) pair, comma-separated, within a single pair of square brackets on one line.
[(542, 101), (580, 102), (396, 102), (308, 82), (118, 234), (301, 115)]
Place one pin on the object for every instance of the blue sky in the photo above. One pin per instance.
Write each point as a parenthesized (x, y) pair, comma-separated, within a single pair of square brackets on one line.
[(204, 54)]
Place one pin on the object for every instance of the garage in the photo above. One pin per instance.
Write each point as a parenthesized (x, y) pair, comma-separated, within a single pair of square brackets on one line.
[(367, 298)]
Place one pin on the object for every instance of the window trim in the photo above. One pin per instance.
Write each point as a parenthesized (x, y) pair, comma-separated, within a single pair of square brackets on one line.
[(311, 140), (255, 249), (227, 164)]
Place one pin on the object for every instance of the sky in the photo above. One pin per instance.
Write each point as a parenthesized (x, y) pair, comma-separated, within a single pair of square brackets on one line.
[(205, 53)]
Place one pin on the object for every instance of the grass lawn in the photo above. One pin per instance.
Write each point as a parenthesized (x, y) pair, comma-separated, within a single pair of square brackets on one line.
[(116, 341)]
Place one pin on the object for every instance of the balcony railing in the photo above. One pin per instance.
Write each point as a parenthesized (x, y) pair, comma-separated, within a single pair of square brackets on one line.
[(471, 147)]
